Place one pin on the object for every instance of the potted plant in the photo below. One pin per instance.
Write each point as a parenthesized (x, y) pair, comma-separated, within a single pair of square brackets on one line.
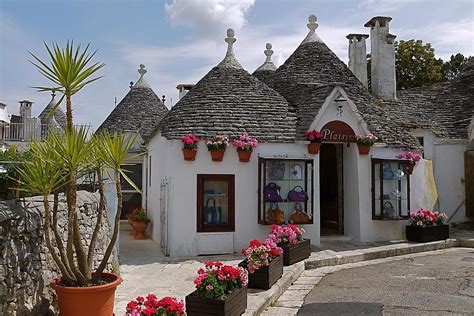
[(220, 290), (290, 239), (130, 221), (152, 306), (364, 142), (140, 224), (412, 159), (190, 147), (315, 138), (425, 226), (217, 147), (59, 162), (245, 145), (264, 262)]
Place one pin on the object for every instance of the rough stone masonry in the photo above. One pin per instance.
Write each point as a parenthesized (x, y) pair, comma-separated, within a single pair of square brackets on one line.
[(26, 267)]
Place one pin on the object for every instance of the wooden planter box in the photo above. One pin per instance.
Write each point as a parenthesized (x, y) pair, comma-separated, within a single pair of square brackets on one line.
[(295, 253), (426, 234), (233, 305), (266, 276)]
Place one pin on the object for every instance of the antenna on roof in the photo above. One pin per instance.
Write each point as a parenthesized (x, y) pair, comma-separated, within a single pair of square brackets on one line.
[(163, 98), (115, 101), (131, 84)]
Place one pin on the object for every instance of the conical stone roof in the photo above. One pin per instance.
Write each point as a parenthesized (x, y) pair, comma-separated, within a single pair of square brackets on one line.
[(59, 115), (140, 110), (228, 100)]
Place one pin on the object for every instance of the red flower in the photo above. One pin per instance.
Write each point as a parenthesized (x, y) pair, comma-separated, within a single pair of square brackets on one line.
[(140, 299), (255, 243)]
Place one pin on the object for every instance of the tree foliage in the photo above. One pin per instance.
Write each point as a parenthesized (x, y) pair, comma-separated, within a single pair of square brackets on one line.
[(451, 68), (416, 64), (10, 161)]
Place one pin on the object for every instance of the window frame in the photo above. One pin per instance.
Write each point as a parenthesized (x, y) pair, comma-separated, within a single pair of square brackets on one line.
[(230, 226), (380, 162)]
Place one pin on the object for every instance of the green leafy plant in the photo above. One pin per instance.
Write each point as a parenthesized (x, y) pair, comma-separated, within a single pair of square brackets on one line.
[(59, 161)]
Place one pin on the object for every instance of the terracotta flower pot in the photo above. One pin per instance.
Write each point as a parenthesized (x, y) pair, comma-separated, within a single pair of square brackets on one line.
[(217, 155), (244, 155), (313, 148), (363, 149), (92, 300), (411, 167), (133, 232), (140, 228), (189, 154)]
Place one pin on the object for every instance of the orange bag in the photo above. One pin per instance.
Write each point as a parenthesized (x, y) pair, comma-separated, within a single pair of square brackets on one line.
[(299, 217)]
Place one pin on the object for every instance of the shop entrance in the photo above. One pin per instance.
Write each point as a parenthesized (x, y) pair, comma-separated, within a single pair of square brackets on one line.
[(330, 189)]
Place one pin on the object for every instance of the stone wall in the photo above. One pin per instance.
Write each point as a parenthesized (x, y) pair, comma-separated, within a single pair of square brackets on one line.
[(26, 267)]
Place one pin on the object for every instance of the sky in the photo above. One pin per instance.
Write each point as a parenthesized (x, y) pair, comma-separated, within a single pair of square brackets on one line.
[(179, 41)]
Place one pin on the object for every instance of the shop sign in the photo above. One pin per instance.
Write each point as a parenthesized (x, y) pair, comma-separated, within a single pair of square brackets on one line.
[(338, 131)]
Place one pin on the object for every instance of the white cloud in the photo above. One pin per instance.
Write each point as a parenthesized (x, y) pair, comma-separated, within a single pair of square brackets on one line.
[(384, 5), (208, 17)]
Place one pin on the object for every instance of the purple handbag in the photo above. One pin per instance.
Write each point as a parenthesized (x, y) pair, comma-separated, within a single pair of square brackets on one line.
[(297, 194), (271, 193)]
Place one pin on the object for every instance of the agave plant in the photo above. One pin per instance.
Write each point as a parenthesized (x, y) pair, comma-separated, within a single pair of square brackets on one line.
[(59, 162), (69, 70)]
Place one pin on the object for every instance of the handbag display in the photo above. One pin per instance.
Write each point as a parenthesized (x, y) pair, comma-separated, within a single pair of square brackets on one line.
[(212, 213), (299, 216), (274, 215), (275, 170), (389, 210), (271, 193), (297, 194), (388, 173)]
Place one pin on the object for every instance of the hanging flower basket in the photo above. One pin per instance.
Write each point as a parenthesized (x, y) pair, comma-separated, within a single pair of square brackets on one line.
[(412, 159), (217, 155), (411, 167), (190, 147), (189, 154), (363, 149), (244, 155), (313, 148)]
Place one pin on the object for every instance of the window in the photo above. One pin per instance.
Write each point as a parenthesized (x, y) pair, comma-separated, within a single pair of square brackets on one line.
[(131, 198), (421, 140), (390, 189), (285, 191), (215, 203)]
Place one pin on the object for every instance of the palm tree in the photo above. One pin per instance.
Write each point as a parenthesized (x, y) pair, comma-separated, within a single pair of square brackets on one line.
[(69, 70)]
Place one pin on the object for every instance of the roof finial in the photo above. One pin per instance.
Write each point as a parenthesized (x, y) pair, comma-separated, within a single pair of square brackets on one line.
[(141, 83), (53, 94), (268, 64), (229, 59), (312, 25)]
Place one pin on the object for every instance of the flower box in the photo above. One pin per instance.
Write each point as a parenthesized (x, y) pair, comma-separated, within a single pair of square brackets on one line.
[(265, 276), (295, 253), (426, 234), (234, 304)]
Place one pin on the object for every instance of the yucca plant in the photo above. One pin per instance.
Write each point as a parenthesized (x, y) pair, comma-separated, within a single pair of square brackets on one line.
[(69, 70), (59, 161)]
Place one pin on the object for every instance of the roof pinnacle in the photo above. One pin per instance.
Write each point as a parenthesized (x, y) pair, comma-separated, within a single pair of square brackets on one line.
[(268, 64), (229, 59), (141, 82), (312, 26)]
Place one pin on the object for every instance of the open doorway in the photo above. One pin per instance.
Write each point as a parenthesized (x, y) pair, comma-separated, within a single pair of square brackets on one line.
[(330, 189)]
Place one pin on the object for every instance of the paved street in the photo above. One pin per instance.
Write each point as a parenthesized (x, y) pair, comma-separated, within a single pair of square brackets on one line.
[(437, 284)]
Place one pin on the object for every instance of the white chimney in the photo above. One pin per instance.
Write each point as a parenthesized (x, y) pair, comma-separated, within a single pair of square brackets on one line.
[(25, 109), (382, 81), (3, 113), (358, 56), (183, 89)]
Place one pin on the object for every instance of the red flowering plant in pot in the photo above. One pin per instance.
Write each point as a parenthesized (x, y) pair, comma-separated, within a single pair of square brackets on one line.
[(264, 263), (364, 142), (152, 306), (425, 225), (290, 239), (130, 221), (220, 289), (217, 146), (245, 145), (412, 159), (315, 138), (190, 147), (140, 223)]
